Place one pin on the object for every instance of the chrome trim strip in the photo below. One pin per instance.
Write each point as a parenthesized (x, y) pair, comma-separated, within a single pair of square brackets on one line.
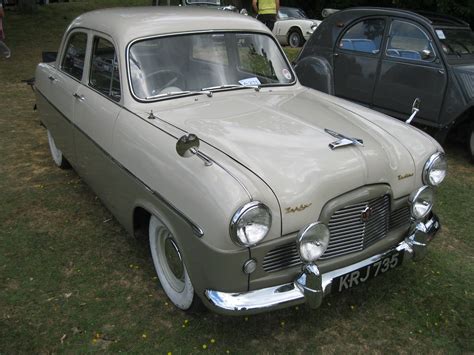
[(196, 229), (285, 295)]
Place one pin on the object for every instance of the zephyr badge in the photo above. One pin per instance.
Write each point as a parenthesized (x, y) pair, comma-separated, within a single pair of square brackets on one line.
[(342, 140)]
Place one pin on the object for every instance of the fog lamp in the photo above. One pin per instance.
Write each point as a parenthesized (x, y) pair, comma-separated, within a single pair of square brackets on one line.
[(312, 241), (421, 202)]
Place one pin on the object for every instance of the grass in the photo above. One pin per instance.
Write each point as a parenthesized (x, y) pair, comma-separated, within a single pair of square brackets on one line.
[(72, 280)]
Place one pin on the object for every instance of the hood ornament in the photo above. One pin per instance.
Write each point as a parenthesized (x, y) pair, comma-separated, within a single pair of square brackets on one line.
[(342, 140)]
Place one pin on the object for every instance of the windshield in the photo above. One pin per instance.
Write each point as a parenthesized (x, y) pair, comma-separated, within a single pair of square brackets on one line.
[(171, 65), (456, 41), (287, 12)]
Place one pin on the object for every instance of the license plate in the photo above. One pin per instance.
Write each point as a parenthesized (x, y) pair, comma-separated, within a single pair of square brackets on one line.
[(368, 272)]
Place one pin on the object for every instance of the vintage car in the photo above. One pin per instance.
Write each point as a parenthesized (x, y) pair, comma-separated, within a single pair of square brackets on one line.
[(255, 192), (386, 58), (293, 28)]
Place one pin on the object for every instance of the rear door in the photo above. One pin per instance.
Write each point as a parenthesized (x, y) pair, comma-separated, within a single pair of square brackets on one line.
[(64, 83), (411, 68), (356, 61)]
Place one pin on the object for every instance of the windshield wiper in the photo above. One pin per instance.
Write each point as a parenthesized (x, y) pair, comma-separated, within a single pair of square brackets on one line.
[(180, 93), (232, 86)]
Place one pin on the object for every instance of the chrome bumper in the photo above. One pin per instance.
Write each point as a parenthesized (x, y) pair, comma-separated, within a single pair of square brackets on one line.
[(311, 286)]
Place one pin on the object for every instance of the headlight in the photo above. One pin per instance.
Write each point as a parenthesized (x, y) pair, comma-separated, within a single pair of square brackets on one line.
[(435, 168), (313, 241), (421, 202), (250, 224)]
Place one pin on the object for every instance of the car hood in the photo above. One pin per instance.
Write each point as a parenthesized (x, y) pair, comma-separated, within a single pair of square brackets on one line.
[(280, 136)]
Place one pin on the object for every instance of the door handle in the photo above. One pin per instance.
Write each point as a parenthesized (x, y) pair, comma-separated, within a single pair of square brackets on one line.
[(441, 71), (79, 97), (51, 78), (336, 54)]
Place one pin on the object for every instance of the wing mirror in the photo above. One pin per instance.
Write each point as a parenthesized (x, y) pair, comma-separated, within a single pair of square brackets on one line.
[(244, 12), (415, 108), (188, 146)]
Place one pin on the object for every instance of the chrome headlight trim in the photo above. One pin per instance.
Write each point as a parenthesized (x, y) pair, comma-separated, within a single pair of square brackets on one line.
[(423, 195), (436, 158), (239, 214), (316, 236)]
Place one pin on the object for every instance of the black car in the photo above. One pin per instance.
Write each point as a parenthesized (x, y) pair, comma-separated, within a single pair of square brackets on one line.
[(387, 58)]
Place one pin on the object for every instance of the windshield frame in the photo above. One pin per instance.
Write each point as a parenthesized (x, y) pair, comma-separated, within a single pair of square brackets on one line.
[(139, 39)]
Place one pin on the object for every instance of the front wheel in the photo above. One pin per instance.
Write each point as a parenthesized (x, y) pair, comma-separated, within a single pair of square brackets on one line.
[(295, 39), (169, 265), (57, 154)]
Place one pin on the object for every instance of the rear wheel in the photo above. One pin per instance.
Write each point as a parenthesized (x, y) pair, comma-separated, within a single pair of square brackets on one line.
[(169, 266), (57, 154), (295, 39)]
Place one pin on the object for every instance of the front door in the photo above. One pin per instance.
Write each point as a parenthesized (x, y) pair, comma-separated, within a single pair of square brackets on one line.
[(356, 60), (411, 68)]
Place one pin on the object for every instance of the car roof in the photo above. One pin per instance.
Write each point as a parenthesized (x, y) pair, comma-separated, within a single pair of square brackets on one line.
[(432, 18), (126, 24)]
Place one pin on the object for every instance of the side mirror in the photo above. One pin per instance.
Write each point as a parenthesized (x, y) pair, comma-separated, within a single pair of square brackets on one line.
[(426, 54), (415, 108), (244, 12), (188, 145)]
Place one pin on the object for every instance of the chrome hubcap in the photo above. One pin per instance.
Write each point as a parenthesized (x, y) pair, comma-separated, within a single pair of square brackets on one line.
[(170, 260), (173, 257), (294, 40)]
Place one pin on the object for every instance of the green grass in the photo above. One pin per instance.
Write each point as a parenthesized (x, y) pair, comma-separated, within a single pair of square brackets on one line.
[(72, 280)]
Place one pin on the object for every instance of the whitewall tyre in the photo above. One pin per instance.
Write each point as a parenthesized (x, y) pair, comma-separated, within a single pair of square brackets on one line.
[(295, 39), (56, 153), (169, 265)]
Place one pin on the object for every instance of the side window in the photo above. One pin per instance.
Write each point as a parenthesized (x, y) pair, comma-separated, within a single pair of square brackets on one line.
[(104, 76), (408, 41), (365, 36), (73, 59)]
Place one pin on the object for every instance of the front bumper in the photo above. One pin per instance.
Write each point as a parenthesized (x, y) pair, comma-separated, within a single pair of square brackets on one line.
[(311, 286)]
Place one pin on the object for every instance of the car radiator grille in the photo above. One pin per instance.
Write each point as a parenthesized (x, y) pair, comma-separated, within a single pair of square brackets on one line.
[(348, 233)]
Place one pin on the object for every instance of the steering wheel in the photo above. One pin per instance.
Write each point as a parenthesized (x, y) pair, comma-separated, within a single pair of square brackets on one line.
[(164, 78)]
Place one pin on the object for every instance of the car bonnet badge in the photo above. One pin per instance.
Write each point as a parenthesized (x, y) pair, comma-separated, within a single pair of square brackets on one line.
[(342, 140)]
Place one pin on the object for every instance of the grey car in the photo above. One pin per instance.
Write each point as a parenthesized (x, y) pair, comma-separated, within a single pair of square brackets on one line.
[(387, 58)]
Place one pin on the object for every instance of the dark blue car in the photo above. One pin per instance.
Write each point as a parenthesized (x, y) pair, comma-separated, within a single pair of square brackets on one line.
[(387, 58)]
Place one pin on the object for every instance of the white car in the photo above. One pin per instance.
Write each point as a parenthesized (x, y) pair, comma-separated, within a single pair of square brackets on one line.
[(293, 27)]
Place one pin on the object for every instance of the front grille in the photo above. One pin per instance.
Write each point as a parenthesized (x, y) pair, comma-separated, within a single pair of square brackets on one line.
[(400, 218), (349, 233)]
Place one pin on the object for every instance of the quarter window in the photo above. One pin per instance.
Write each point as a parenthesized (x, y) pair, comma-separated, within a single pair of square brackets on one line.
[(408, 41), (104, 75), (365, 36), (73, 60)]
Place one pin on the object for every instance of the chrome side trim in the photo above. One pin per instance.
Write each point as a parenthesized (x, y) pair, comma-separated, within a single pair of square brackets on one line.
[(196, 229), (310, 286)]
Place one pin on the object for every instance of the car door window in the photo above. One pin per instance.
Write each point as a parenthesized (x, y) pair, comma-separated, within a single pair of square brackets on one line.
[(365, 36), (408, 41), (104, 73), (74, 55)]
